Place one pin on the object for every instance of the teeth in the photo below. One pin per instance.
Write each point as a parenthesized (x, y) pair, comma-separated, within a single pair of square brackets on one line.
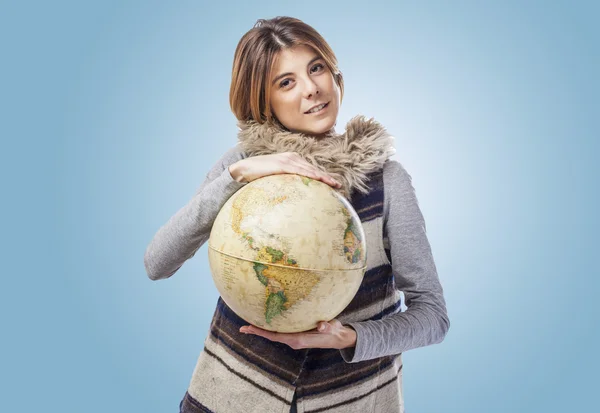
[(318, 108)]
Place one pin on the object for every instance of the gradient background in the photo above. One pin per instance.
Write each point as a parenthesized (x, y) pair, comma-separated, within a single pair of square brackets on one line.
[(113, 112)]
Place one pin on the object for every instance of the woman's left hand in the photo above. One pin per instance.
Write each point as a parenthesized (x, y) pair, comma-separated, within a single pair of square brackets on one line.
[(330, 334)]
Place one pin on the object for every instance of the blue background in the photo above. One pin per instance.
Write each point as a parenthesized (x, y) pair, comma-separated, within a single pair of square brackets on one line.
[(113, 112)]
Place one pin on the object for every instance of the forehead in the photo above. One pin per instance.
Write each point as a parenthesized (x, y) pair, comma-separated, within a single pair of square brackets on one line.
[(296, 57)]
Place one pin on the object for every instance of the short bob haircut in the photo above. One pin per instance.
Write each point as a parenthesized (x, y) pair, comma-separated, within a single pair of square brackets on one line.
[(249, 94)]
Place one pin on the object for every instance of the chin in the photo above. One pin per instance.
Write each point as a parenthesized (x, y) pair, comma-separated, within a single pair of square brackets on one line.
[(320, 127)]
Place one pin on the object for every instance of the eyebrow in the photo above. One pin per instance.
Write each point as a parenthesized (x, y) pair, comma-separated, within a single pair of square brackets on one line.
[(290, 73)]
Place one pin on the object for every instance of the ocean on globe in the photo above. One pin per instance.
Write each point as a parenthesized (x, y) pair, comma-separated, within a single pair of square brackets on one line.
[(286, 252)]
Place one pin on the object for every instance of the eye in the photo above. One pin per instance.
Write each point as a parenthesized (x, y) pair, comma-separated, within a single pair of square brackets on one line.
[(285, 83), (318, 66)]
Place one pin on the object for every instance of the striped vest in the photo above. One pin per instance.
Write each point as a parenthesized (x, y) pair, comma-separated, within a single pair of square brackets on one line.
[(236, 372)]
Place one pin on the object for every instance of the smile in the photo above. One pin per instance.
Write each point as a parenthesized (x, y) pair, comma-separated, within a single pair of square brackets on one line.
[(317, 109)]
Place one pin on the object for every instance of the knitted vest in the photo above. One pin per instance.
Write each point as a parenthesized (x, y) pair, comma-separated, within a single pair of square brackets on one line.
[(236, 372), (247, 373)]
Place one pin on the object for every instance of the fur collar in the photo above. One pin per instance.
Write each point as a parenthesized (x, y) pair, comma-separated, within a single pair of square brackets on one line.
[(349, 157)]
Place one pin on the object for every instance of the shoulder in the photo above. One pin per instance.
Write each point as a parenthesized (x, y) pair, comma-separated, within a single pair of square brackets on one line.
[(397, 187), (233, 155), (394, 174)]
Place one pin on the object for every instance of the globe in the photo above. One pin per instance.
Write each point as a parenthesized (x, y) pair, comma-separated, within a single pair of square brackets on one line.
[(286, 251)]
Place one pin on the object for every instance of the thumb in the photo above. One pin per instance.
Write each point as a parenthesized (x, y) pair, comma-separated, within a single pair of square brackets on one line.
[(323, 327)]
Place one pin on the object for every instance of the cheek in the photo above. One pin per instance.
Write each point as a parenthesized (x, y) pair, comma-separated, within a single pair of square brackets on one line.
[(288, 104), (335, 88), (291, 99), (278, 105), (330, 86)]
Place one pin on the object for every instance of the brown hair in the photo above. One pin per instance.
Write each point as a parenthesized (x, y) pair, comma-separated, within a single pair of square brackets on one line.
[(249, 94)]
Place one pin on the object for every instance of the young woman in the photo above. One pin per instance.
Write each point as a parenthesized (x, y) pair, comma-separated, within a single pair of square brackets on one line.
[(286, 91)]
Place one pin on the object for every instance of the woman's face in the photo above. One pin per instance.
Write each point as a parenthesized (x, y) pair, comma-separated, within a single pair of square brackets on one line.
[(302, 81)]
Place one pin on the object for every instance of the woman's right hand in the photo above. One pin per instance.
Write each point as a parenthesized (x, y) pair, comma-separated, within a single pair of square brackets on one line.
[(254, 167)]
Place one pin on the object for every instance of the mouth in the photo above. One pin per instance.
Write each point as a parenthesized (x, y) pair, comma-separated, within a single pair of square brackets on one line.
[(317, 109)]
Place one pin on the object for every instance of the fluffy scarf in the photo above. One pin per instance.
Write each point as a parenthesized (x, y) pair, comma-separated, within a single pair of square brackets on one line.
[(349, 157)]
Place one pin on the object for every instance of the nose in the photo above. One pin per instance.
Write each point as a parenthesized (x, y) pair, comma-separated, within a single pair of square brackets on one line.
[(311, 89)]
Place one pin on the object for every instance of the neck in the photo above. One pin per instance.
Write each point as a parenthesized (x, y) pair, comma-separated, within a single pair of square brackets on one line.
[(331, 132)]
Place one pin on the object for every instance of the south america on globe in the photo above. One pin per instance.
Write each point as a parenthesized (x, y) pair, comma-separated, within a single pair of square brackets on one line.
[(287, 251)]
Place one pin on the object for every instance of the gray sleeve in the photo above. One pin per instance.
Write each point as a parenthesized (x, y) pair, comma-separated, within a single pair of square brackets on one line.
[(187, 230), (425, 320)]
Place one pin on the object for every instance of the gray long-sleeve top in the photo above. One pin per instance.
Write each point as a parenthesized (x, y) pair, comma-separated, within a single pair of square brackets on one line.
[(425, 320)]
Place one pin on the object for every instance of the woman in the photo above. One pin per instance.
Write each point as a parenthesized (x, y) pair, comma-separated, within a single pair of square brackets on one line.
[(286, 91)]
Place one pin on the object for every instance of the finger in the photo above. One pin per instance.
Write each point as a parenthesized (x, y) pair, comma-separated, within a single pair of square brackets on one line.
[(295, 160), (315, 340), (335, 323), (314, 173), (304, 171), (325, 327), (330, 181), (296, 341), (325, 177), (251, 329), (269, 335)]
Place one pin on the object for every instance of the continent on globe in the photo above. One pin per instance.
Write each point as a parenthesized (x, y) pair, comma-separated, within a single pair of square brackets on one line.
[(352, 241)]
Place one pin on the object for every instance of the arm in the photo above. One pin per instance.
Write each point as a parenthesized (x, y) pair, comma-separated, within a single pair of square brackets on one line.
[(425, 321), (186, 231)]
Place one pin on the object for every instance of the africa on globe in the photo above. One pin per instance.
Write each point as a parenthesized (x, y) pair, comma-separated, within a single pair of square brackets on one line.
[(287, 251)]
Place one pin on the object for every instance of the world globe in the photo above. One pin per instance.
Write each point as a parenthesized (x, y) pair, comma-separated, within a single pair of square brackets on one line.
[(286, 251)]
